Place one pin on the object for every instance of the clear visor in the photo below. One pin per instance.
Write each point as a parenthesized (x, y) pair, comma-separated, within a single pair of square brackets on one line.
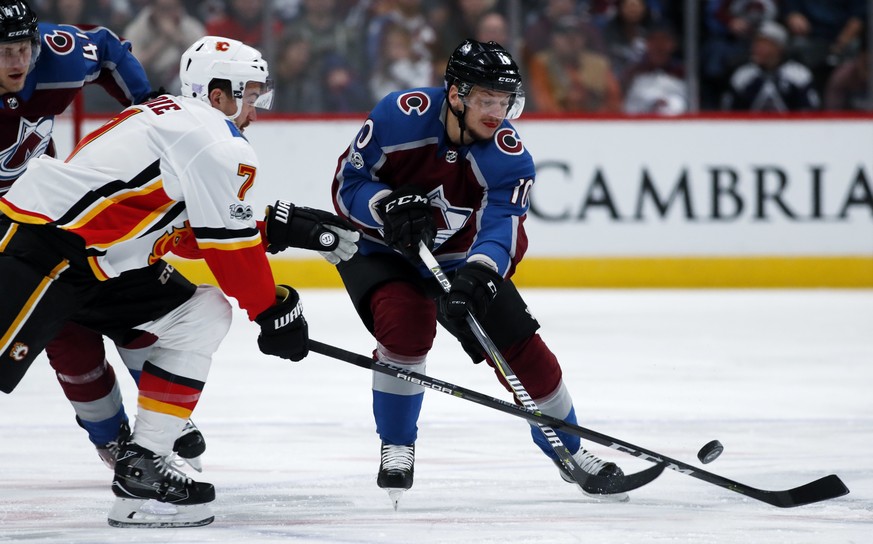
[(16, 54), (503, 105), (259, 96)]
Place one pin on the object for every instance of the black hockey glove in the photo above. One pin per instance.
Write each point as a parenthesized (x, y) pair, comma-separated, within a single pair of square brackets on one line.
[(284, 332), (154, 94), (295, 226), (473, 288), (408, 220)]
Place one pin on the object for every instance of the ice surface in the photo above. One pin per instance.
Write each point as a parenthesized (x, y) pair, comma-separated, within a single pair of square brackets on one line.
[(784, 379)]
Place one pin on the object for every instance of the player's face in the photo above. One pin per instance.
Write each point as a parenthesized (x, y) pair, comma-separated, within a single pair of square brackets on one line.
[(250, 98), (14, 63), (486, 110)]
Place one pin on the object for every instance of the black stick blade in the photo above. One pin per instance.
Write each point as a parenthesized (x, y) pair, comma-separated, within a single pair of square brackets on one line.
[(829, 487)]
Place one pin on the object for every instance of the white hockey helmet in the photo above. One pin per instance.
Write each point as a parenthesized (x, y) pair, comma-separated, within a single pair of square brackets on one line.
[(214, 57)]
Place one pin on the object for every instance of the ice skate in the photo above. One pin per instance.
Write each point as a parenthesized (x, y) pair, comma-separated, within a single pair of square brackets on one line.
[(109, 451), (396, 470), (190, 446), (601, 472), (151, 492)]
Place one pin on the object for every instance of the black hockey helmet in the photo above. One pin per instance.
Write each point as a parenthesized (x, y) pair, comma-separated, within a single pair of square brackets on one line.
[(17, 22), (487, 65)]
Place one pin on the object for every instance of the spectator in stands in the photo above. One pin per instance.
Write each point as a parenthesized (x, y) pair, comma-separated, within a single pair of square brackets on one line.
[(410, 15), (729, 28), (455, 21), (71, 12), (656, 84), (492, 27), (538, 33), (770, 82), (604, 11), (297, 81), (318, 22), (823, 33), (161, 32), (625, 35), (243, 20), (398, 67), (568, 77), (848, 88)]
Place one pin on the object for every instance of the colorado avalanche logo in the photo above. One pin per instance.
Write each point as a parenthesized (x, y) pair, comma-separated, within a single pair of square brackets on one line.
[(508, 142), (33, 139), (60, 42), (415, 101)]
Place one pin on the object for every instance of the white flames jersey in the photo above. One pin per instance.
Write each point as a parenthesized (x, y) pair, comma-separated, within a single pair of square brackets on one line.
[(167, 175)]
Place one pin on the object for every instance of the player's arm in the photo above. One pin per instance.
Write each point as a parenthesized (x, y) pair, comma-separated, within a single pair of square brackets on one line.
[(357, 191), (120, 73), (501, 241), (223, 224)]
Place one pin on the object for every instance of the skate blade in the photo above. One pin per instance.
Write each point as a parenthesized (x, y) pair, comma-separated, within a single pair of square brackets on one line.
[(395, 495), (180, 462), (605, 497), (151, 513), (194, 463)]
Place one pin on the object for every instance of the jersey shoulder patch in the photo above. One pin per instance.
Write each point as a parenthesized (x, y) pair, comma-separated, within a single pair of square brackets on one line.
[(507, 141), (414, 102)]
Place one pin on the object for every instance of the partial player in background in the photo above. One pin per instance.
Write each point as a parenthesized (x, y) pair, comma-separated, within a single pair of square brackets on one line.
[(445, 167), (42, 69), (168, 175)]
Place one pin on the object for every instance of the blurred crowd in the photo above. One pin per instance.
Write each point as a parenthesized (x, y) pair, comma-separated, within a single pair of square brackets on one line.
[(585, 56)]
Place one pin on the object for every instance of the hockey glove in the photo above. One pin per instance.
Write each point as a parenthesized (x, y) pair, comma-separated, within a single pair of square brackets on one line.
[(284, 332), (473, 288), (296, 226), (408, 220)]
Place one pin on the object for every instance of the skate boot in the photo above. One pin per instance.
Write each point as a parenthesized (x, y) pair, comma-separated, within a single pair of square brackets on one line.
[(190, 446), (601, 473), (395, 470), (109, 451), (151, 492)]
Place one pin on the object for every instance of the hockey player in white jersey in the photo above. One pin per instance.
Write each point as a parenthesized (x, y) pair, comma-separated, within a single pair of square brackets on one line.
[(170, 175)]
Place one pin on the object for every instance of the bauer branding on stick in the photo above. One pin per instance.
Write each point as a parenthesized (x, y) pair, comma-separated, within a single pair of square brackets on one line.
[(710, 452)]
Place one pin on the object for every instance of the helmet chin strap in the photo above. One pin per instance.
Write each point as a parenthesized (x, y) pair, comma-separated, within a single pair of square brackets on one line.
[(460, 116)]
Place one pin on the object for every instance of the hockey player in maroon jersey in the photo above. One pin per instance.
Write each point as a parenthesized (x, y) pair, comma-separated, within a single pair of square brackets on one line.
[(444, 166), (168, 175), (42, 68)]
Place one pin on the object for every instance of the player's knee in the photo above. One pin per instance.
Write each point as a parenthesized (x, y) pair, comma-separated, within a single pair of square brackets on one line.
[(215, 307), (200, 324), (535, 366), (405, 319)]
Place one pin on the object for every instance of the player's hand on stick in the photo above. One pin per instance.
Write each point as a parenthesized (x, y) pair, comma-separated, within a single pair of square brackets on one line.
[(284, 332), (331, 236), (408, 220), (473, 288)]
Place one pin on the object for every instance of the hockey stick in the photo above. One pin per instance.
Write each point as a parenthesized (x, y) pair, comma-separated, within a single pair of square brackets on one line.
[(579, 474), (828, 487)]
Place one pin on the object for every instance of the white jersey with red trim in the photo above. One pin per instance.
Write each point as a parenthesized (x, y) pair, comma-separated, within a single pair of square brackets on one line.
[(170, 174)]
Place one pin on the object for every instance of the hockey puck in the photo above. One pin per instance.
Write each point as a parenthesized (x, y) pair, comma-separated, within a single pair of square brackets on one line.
[(710, 452)]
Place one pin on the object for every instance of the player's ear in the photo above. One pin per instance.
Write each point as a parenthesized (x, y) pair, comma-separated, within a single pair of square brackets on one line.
[(217, 98)]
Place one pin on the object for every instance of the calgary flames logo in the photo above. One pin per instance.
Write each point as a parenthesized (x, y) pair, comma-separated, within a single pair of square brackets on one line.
[(169, 241), (222, 46), (19, 351)]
